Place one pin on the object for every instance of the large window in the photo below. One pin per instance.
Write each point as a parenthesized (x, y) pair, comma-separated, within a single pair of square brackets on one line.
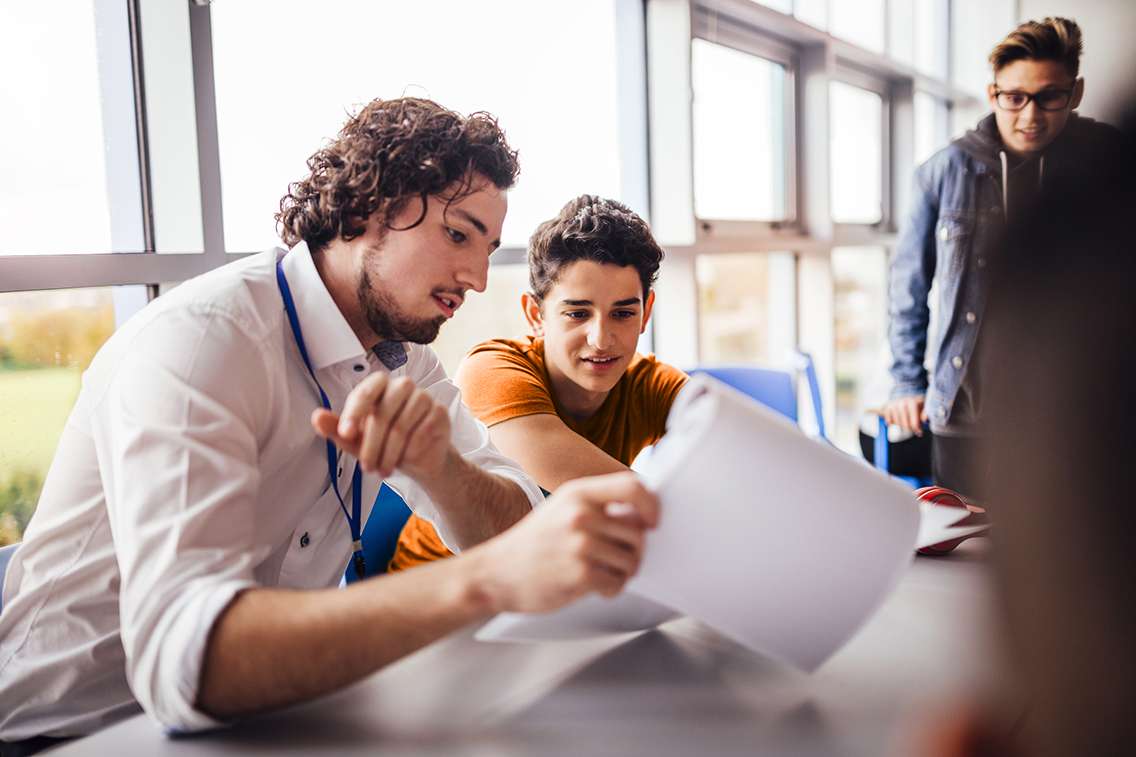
[(931, 122), (740, 127), (47, 339), (740, 123), (67, 142), (856, 134), (860, 282), (860, 22), (548, 71), (746, 307)]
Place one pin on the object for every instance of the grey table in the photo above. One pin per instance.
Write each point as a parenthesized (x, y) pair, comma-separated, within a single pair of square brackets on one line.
[(680, 690)]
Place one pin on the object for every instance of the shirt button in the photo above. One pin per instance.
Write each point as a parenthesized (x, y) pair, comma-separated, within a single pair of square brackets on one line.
[(943, 233), (956, 361), (305, 540), (971, 317), (359, 368), (940, 411), (982, 262)]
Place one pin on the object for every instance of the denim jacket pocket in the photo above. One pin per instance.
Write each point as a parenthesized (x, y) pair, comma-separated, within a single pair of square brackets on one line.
[(953, 236)]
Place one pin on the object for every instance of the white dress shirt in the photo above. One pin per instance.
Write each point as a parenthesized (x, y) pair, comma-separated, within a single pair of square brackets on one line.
[(187, 472)]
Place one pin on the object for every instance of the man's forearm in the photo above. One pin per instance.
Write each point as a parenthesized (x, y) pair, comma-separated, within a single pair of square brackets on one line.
[(476, 504), (275, 647)]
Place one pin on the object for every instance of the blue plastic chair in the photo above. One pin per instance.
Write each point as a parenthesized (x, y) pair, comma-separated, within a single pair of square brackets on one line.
[(880, 453), (776, 389), (380, 533), (5, 557)]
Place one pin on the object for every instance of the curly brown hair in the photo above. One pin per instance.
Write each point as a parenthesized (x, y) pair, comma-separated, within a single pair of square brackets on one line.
[(597, 229), (388, 153)]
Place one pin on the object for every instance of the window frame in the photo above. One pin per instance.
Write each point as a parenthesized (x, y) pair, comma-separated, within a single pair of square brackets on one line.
[(744, 39)]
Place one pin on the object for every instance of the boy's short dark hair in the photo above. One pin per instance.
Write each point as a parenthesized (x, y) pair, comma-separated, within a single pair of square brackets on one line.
[(597, 229), (1053, 38), (387, 154)]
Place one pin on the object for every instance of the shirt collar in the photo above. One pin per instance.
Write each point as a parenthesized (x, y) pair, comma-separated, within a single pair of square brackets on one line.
[(327, 335)]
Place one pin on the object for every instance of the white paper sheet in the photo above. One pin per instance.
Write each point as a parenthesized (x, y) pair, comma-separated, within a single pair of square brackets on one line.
[(779, 541), (591, 616), (937, 524)]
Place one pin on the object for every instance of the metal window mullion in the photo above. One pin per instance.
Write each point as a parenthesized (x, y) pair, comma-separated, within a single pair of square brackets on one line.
[(208, 145), (141, 128), (35, 272)]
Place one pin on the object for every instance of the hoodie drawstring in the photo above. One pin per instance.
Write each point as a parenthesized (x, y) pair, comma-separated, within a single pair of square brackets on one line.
[(1005, 185)]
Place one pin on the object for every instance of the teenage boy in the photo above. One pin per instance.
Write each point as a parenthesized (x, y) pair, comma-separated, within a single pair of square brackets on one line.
[(963, 197), (574, 398), (193, 527)]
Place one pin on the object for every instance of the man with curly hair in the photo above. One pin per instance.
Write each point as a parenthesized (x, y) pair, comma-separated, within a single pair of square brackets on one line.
[(574, 398), (205, 497)]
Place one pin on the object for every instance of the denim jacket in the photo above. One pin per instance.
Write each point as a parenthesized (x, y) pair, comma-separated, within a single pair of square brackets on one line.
[(961, 198)]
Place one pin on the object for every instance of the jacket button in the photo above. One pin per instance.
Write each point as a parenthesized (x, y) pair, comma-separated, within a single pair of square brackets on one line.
[(971, 317), (305, 540), (943, 233), (982, 262), (956, 361)]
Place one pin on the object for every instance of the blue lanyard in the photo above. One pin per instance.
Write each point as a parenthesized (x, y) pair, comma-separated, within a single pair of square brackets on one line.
[(355, 518)]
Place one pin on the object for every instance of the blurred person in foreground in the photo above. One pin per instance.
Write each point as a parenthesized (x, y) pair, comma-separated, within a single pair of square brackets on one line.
[(964, 196), (1061, 437)]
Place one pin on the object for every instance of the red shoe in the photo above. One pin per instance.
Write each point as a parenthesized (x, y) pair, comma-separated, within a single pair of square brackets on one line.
[(938, 495)]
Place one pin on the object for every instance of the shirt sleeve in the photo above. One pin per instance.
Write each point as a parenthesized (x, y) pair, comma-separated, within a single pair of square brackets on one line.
[(177, 452), (657, 390), (469, 436), (498, 383)]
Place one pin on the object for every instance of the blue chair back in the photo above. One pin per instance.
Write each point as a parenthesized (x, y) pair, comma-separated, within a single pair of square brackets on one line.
[(772, 388), (775, 389), (380, 532), (5, 557)]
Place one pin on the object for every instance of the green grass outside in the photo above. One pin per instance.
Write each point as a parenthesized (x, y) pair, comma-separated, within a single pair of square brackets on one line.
[(34, 405)]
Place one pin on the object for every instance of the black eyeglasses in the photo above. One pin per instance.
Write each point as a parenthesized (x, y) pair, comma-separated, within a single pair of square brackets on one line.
[(1046, 99)]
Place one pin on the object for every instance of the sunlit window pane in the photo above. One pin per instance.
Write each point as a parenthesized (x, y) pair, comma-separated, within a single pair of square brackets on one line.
[(860, 22), (860, 280), (930, 125), (493, 314), (857, 154), (739, 128), (746, 305), (546, 70), (812, 12), (976, 26), (47, 339), (901, 24), (931, 37), (67, 141), (785, 6)]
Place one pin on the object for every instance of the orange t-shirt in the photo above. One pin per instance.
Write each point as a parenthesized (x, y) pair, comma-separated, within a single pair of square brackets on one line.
[(503, 379)]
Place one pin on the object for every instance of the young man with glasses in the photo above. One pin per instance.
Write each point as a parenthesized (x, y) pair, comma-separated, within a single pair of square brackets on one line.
[(963, 197)]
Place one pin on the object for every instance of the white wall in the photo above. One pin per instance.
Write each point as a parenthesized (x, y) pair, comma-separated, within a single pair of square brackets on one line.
[(1108, 64)]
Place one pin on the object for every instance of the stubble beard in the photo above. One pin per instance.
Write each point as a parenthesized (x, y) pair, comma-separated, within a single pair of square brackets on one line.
[(387, 320)]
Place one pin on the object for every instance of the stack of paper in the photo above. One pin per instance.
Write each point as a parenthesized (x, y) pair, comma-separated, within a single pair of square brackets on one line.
[(777, 540)]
